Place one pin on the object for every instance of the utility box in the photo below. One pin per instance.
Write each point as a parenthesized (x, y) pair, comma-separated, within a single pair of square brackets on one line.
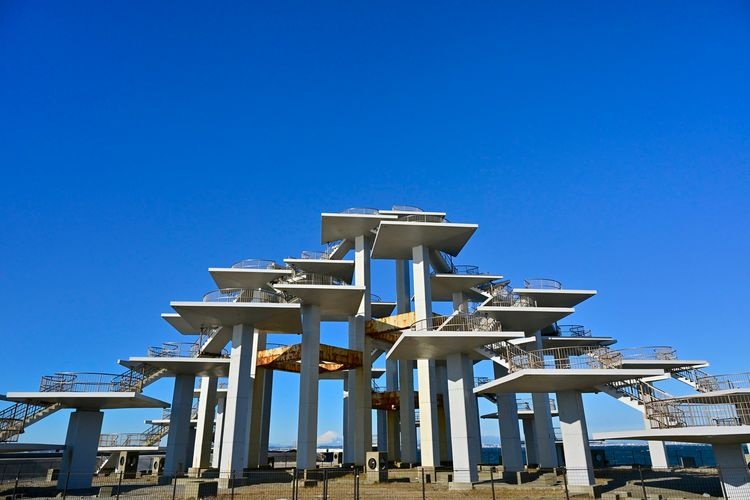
[(376, 467)]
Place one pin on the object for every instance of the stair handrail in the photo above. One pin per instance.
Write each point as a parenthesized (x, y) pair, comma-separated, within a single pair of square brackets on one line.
[(457, 322), (360, 211), (573, 331), (647, 353), (723, 410), (710, 383), (299, 277), (183, 350), (255, 264)]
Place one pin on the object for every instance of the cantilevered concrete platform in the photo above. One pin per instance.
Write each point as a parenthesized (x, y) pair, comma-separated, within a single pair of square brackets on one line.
[(440, 344), (235, 277), (553, 342), (179, 324), (396, 239), (88, 400), (273, 317), (559, 380), (445, 285), (546, 297), (27, 447), (526, 319), (724, 434), (664, 364), (339, 269), (336, 302), (382, 309), (349, 226), (202, 367)]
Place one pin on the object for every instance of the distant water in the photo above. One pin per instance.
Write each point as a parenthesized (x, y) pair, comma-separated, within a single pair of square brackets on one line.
[(634, 454)]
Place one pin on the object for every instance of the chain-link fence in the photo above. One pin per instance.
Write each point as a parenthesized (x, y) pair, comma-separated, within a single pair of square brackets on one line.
[(489, 482)]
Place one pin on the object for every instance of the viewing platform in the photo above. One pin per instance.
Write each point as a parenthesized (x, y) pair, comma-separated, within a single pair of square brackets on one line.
[(248, 274), (338, 301), (396, 239)]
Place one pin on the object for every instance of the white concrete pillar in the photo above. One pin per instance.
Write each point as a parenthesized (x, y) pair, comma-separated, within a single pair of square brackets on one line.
[(81, 443), (656, 449), (530, 441), (360, 379), (265, 427), (507, 419), (221, 402), (256, 414), (177, 460), (205, 427), (428, 422), (543, 430), (392, 427), (407, 426), (347, 439), (464, 433), (578, 463), (733, 470), (307, 424), (234, 447), (444, 416)]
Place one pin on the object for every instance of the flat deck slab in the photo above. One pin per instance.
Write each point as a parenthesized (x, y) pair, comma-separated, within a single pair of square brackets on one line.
[(557, 380), (339, 269), (438, 345), (281, 318), (202, 367), (555, 298), (88, 400), (395, 239), (382, 309), (720, 434), (348, 226), (337, 302), (663, 364), (25, 447), (553, 342), (236, 277), (445, 285), (526, 319), (179, 324)]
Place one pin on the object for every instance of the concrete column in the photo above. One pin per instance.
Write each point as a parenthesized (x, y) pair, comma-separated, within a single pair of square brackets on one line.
[(407, 426), (81, 443), (507, 419), (578, 463), (464, 433), (530, 441), (177, 460), (256, 418), (543, 431), (236, 436), (204, 431), (656, 449), (221, 402), (392, 427), (444, 416), (265, 427), (428, 424), (307, 424), (382, 435), (347, 439), (733, 470)]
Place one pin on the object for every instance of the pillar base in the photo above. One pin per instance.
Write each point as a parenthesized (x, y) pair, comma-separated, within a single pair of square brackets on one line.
[(517, 477), (203, 472), (426, 473)]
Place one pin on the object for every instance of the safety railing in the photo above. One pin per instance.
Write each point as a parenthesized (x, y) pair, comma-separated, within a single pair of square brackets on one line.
[(10, 429), (559, 357), (542, 284), (315, 254), (79, 382), (726, 410), (303, 278), (257, 295), (511, 300), (255, 264), (361, 211), (573, 331), (457, 323), (709, 383), (481, 380), (648, 353), (182, 350), (422, 218), (125, 439), (166, 413), (465, 269), (406, 208)]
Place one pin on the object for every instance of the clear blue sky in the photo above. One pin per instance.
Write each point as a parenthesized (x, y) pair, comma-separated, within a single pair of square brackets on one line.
[(605, 145)]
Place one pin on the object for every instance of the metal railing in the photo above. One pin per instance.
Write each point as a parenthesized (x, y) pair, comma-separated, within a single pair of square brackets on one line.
[(481, 380), (315, 254), (80, 382), (166, 413), (710, 383), (117, 440), (303, 278), (458, 323), (10, 429), (647, 353), (361, 211), (542, 284), (512, 300), (406, 208), (258, 295), (574, 331), (527, 404), (182, 350), (732, 409), (255, 264), (559, 357), (422, 218), (465, 269)]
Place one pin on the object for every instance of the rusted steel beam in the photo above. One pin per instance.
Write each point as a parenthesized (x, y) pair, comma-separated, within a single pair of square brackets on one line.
[(286, 353), (284, 366), (333, 354), (390, 324)]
